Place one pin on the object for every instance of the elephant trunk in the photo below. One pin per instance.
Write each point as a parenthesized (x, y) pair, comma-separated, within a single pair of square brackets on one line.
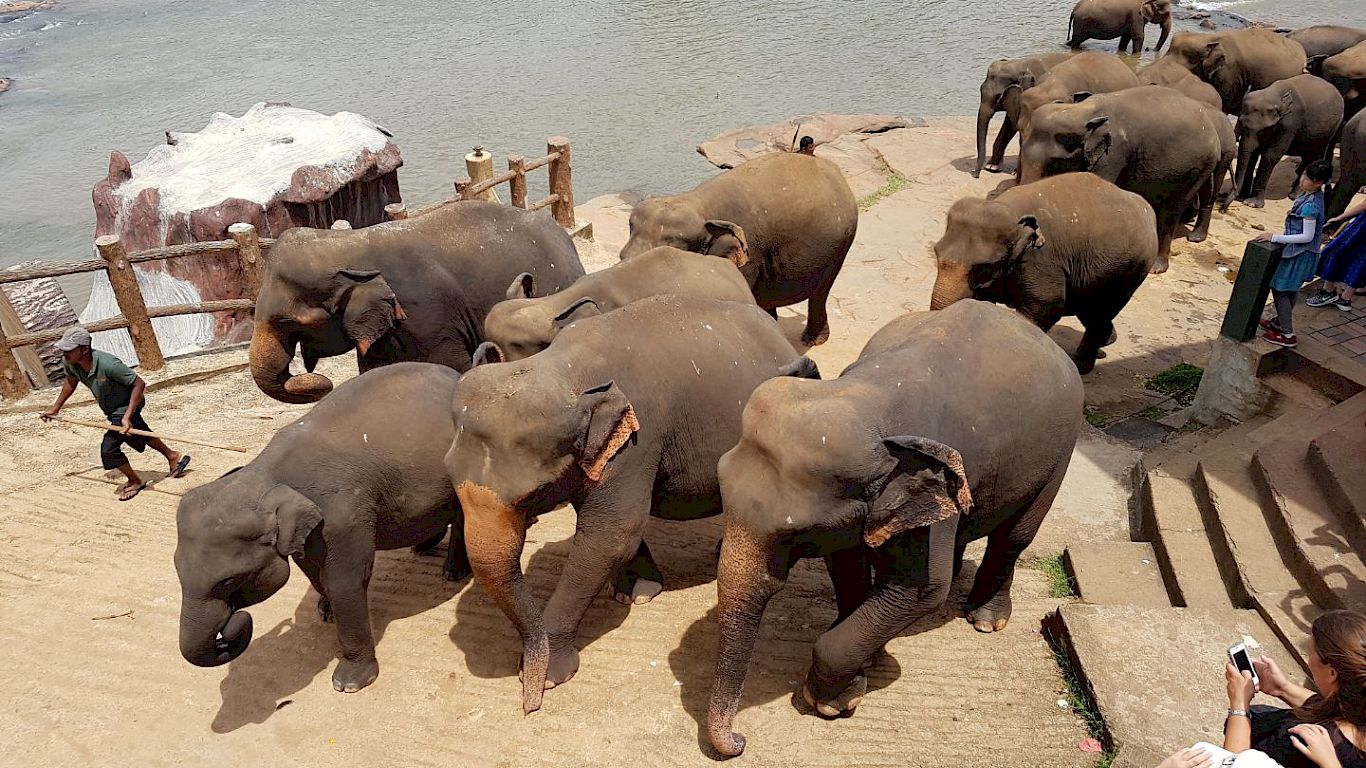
[(984, 115), (1243, 171), (211, 632), (495, 534), (746, 580), (270, 355), (950, 286), (1166, 32)]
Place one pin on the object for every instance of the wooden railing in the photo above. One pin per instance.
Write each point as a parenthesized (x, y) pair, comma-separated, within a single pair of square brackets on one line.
[(249, 249)]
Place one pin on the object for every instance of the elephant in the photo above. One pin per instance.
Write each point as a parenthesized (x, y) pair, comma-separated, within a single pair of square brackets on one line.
[(624, 416), (1347, 71), (793, 213), (1169, 72), (887, 473), (362, 471), (1352, 165), (1089, 72), (1072, 244), (1238, 61), (1125, 19), (998, 96), (1324, 40), (414, 290), (1150, 140), (526, 324), (1298, 116)]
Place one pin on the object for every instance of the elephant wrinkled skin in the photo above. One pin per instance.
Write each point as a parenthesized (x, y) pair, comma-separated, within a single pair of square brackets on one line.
[(1089, 72), (1298, 116), (888, 472), (355, 475), (1238, 61)]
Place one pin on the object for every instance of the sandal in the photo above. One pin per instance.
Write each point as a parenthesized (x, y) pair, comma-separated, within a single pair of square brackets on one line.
[(180, 467), (129, 490)]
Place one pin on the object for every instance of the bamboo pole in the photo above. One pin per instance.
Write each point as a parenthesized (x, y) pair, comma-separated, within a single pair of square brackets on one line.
[(107, 427), (248, 255), (561, 182), (131, 305), (517, 186)]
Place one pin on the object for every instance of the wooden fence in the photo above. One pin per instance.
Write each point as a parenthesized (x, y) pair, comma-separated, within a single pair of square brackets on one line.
[(250, 250)]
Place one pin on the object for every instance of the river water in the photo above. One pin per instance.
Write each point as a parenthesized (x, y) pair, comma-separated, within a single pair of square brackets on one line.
[(635, 85)]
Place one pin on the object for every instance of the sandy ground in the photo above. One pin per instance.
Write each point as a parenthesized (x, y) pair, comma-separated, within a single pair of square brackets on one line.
[(89, 598)]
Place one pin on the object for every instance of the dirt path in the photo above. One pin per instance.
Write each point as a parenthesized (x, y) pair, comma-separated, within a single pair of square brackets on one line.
[(89, 598)]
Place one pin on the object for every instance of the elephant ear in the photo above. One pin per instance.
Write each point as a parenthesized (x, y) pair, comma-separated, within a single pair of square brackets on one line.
[(1097, 140), (1287, 103), (609, 422), (1081, 96), (1213, 59), (295, 517), (727, 240), (801, 368), (924, 484), (372, 309), (1314, 66), (487, 352), (1010, 97), (523, 287), (584, 307)]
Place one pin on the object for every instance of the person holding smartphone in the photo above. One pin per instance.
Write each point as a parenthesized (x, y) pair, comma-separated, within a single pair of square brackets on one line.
[(1326, 728)]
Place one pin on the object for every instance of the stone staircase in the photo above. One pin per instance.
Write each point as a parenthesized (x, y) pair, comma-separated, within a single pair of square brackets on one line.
[(1254, 530)]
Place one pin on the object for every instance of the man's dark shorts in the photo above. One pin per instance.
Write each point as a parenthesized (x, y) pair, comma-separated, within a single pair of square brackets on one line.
[(111, 457)]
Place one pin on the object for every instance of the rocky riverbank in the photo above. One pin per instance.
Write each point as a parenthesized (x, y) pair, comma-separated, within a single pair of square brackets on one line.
[(11, 10)]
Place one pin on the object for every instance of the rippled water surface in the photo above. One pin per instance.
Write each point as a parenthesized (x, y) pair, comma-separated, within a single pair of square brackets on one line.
[(635, 85)]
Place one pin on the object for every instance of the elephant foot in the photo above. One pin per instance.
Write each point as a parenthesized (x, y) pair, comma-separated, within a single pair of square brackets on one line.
[(1255, 202), (564, 664), (1198, 236), (1086, 364), (1114, 336), (456, 572), (1159, 266), (325, 610), (842, 704), (992, 168), (977, 174), (351, 676), (817, 339), (639, 592), (988, 619)]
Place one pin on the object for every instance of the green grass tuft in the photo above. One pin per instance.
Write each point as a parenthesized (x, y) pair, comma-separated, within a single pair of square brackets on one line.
[(1152, 413), (1095, 417), (895, 183), (1059, 583), (1178, 382)]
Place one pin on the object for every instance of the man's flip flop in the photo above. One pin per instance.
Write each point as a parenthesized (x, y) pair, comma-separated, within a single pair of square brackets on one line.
[(180, 467), (128, 491)]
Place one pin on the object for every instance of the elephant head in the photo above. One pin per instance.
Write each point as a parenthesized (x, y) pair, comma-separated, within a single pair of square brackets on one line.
[(313, 298), (1006, 79), (1263, 110), (675, 222), (526, 440), (526, 324), (1347, 72), (856, 491), (233, 538), (983, 243), (1158, 12), (1058, 141)]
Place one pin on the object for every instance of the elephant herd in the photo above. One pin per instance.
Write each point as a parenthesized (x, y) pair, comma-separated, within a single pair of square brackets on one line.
[(499, 382)]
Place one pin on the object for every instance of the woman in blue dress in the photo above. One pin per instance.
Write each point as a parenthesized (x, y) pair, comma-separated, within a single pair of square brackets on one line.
[(1343, 267), (1300, 257)]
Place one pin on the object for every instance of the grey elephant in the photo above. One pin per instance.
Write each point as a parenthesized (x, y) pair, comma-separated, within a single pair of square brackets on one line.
[(1347, 72), (624, 416), (1123, 19), (361, 472), (887, 473), (1169, 72), (1297, 116), (1073, 245), (1150, 140), (794, 213), (526, 324), (1088, 72), (1324, 40), (414, 290), (999, 96), (1352, 165), (1238, 61)]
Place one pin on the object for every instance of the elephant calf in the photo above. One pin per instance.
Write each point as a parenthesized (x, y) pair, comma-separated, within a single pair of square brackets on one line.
[(1067, 245), (888, 472), (624, 415), (362, 471), (793, 213), (526, 324), (1298, 116), (998, 95)]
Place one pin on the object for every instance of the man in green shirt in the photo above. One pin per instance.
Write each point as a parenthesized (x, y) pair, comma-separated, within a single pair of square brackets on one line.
[(119, 393)]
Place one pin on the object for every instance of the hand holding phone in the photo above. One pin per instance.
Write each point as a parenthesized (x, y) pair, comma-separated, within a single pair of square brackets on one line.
[(1243, 661)]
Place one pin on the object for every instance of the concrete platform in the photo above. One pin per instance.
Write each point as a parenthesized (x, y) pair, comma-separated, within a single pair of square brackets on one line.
[(1155, 674), (1181, 544), (1338, 459), (1117, 573)]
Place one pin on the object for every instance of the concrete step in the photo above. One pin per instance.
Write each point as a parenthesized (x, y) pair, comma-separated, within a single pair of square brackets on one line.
[(1116, 573), (1171, 518), (1338, 460), (1323, 549)]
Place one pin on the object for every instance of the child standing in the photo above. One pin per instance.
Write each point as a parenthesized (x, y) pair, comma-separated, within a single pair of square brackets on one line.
[(1299, 258)]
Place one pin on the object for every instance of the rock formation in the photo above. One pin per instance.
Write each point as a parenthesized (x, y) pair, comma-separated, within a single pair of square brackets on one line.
[(11, 10), (41, 305), (275, 167)]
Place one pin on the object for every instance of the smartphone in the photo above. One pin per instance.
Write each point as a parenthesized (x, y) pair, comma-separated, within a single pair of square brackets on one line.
[(1243, 661)]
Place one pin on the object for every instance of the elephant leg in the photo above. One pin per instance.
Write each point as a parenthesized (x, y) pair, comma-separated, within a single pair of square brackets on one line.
[(913, 574), (1265, 166), (639, 581), (1045, 311), (1209, 190), (851, 575), (989, 600), (313, 570), (998, 149), (772, 312), (1098, 332), (817, 321), (428, 547), (350, 561), (606, 537)]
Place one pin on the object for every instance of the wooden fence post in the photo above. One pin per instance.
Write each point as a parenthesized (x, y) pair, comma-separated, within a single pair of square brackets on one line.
[(517, 164), (27, 357), (479, 165), (396, 211), (462, 186), (13, 382), (248, 255), (131, 306), (561, 183)]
